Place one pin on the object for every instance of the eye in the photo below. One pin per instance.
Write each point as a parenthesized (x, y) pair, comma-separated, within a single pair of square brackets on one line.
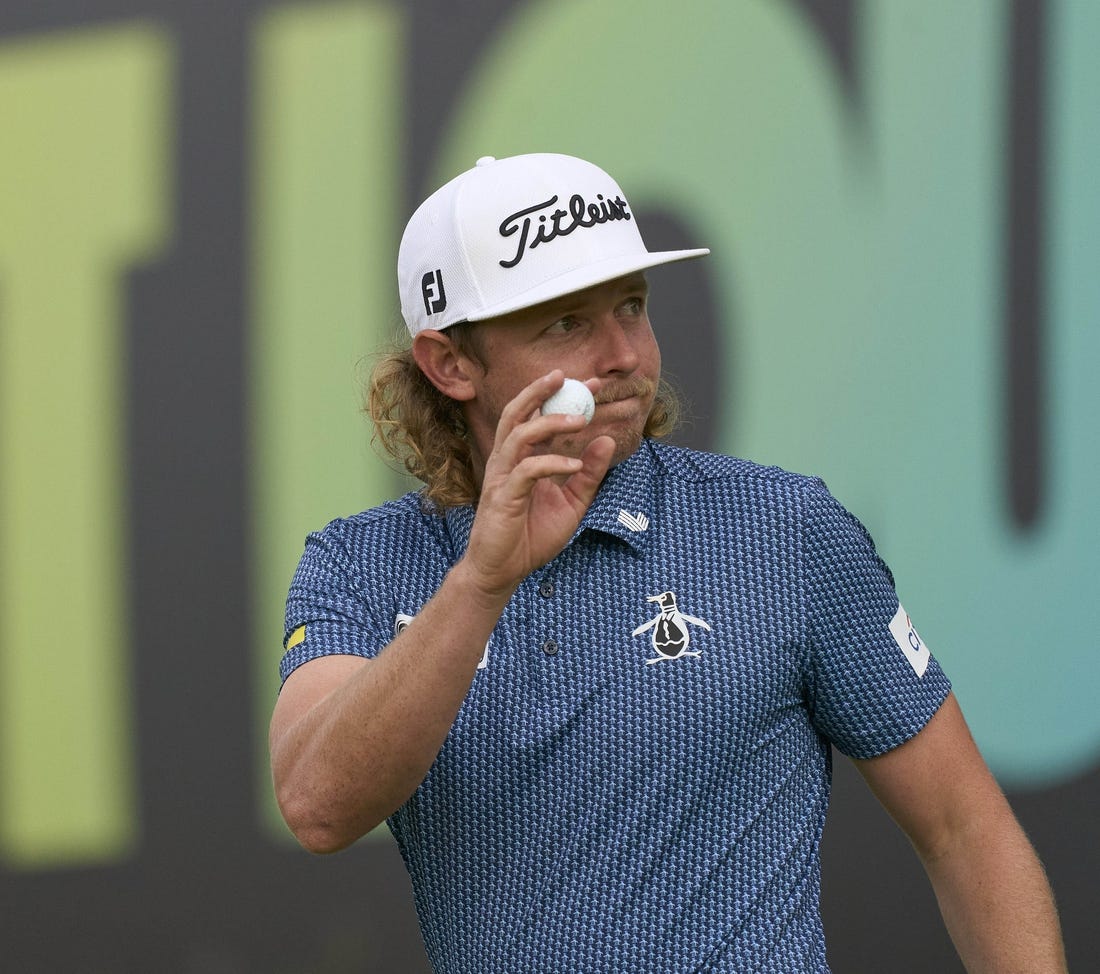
[(563, 326), (632, 307)]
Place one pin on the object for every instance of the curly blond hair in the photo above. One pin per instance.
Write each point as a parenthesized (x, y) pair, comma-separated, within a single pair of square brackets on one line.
[(425, 433)]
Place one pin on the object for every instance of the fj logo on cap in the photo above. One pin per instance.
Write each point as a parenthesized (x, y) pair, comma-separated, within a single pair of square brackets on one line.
[(435, 298)]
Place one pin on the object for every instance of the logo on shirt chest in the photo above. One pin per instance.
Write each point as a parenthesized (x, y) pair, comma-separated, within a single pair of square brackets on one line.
[(669, 630)]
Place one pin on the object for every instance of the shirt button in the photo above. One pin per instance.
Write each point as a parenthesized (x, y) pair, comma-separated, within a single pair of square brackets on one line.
[(550, 647), (546, 588)]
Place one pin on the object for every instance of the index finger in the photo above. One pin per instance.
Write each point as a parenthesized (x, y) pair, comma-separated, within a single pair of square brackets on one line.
[(527, 401)]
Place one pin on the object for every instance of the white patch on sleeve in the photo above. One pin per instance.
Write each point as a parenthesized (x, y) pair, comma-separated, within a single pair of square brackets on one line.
[(401, 623), (909, 642)]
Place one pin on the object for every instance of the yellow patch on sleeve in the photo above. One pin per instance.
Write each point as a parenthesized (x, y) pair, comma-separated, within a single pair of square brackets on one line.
[(296, 637)]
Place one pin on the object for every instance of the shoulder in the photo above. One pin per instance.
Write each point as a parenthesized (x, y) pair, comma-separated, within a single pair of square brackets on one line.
[(769, 497), (403, 525), (405, 513), (689, 466)]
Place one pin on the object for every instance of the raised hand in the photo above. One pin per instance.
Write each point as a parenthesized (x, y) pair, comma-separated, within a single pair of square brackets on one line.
[(531, 501)]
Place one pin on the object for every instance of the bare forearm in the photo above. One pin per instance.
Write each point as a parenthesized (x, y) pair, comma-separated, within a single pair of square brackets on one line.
[(991, 888), (357, 754), (997, 903)]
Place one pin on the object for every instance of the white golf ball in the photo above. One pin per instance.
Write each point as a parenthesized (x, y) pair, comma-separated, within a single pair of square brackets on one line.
[(573, 398)]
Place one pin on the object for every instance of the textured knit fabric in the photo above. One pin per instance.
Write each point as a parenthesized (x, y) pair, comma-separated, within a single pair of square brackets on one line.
[(639, 775)]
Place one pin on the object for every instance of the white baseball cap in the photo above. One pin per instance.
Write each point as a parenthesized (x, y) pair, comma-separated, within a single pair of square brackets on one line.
[(512, 233)]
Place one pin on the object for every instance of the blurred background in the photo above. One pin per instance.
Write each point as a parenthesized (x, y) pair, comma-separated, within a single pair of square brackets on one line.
[(200, 205)]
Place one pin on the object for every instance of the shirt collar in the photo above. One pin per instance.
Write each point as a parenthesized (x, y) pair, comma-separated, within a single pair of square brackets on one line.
[(623, 507), (459, 521)]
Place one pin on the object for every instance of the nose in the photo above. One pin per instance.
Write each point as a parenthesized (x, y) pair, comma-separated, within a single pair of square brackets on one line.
[(616, 351)]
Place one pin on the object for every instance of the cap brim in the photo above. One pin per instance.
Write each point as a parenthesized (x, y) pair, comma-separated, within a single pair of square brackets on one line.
[(583, 277)]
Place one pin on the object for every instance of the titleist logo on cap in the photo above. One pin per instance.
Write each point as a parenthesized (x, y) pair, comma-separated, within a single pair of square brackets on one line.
[(580, 215)]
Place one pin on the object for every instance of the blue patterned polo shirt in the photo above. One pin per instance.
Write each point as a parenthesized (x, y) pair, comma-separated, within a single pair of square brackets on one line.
[(638, 777)]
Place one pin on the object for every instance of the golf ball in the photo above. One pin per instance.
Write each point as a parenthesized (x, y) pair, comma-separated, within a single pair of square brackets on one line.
[(572, 398)]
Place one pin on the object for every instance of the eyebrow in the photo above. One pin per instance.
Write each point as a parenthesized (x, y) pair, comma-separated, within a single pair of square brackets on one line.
[(626, 284), (635, 282)]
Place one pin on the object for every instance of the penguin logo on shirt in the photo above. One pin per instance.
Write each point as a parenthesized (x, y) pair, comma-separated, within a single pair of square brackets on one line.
[(670, 633)]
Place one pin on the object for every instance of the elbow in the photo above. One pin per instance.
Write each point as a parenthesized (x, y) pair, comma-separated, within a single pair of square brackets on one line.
[(317, 831), (319, 838), (321, 841)]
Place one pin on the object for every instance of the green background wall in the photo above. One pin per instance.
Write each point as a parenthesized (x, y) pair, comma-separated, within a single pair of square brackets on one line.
[(199, 210)]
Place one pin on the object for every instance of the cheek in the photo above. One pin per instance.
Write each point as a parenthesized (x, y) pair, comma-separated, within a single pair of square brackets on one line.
[(495, 398), (649, 352), (501, 385)]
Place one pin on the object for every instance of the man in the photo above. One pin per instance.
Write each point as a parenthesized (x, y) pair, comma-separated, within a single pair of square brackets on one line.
[(590, 679)]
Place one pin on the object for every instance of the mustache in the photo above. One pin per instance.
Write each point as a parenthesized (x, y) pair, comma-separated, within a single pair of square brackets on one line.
[(626, 389)]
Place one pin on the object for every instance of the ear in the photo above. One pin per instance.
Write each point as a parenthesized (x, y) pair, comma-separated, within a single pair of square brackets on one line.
[(446, 368)]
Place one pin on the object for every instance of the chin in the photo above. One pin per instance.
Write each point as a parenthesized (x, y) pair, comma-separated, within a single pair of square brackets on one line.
[(626, 430), (626, 444)]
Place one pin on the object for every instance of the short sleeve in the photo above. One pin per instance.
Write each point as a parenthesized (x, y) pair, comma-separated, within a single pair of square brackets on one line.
[(871, 684), (328, 611)]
